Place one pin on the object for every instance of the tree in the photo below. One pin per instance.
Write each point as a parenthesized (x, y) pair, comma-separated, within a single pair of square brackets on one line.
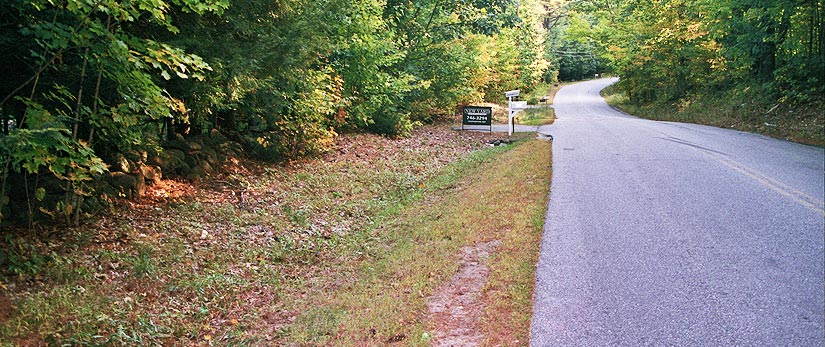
[(665, 51), (82, 69), (91, 80)]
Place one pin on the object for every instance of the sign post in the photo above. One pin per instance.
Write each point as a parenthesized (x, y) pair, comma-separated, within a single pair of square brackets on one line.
[(510, 111), (477, 115)]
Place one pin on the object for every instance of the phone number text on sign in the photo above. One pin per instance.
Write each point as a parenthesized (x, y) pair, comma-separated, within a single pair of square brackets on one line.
[(477, 115)]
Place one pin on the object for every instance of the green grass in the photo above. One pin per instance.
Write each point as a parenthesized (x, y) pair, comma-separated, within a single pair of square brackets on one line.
[(421, 236), (534, 96), (301, 262), (748, 110), (537, 116), (541, 115)]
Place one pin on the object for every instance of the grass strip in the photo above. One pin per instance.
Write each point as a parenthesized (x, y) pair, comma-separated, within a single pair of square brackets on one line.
[(499, 194), (545, 113), (192, 265), (751, 112), (537, 116)]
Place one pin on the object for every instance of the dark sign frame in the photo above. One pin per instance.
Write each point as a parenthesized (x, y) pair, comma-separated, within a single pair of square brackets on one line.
[(477, 115)]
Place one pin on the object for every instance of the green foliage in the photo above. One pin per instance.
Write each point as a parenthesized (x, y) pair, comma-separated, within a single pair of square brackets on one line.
[(281, 77), (537, 116), (668, 51), (50, 151), (571, 44), (575, 61), (20, 257), (80, 69)]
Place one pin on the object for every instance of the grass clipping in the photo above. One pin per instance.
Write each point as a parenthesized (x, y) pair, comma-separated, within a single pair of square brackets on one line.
[(495, 201)]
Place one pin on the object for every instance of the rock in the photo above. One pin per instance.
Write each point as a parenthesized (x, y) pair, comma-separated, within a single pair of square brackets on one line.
[(183, 170), (123, 183), (133, 166), (196, 172), (152, 173), (216, 136), (209, 155), (121, 163), (105, 188), (178, 142), (154, 159), (231, 149), (191, 161), (138, 157), (170, 160), (498, 142), (195, 146), (140, 184), (177, 155)]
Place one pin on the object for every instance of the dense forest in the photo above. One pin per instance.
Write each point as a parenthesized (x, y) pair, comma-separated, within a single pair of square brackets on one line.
[(99, 96), (667, 50), (129, 90), (754, 65)]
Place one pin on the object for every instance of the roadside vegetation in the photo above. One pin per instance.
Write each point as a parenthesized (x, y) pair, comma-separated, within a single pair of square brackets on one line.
[(757, 66), (803, 123), (341, 250), (99, 96), (542, 98), (221, 172), (537, 116), (471, 204)]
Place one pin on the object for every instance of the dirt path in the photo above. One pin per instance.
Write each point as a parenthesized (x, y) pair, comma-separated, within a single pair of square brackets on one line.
[(455, 307)]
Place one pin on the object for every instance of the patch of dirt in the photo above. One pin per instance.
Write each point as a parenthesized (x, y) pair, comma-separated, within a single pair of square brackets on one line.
[(32, 340), (6, 308), (455, 307), (6, 311)]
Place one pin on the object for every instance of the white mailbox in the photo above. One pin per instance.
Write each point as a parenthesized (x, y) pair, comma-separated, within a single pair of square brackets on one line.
[(513, 107)]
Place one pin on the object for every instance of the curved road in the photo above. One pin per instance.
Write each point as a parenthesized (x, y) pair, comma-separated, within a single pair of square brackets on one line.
[(671, 234)]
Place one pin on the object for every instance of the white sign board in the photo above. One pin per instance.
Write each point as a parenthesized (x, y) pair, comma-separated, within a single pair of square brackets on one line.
[(518, 105)]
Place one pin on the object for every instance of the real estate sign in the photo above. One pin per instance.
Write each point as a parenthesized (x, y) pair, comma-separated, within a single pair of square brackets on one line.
[(477, 115)]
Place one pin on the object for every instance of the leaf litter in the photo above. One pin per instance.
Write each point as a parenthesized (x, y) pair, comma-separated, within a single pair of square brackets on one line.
[(230, 258)]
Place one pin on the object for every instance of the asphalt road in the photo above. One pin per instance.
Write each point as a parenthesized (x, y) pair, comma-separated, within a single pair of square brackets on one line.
[(671, 234)]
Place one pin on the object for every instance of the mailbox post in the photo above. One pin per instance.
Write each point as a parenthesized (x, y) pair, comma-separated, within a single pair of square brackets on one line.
[(510, 95), (512, 108)]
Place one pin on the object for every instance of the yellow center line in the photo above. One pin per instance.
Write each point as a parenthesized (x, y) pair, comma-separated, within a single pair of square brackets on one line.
[(801, 198)]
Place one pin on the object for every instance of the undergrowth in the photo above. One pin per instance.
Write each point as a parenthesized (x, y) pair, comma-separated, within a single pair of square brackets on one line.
[(239, 259), (494, 195), (748, 109)]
